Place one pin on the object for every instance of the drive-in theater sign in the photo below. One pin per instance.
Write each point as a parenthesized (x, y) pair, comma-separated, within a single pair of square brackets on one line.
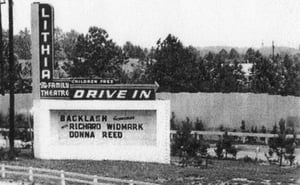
[(92, 118)]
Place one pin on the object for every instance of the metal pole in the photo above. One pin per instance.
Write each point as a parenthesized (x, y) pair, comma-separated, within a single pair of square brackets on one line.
[(273, 50), (11, 80), (1, 54)]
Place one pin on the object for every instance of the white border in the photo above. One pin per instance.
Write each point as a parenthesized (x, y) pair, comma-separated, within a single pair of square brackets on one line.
[(47, 147)]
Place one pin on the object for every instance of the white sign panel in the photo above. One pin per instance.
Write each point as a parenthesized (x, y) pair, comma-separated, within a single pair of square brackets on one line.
[(119, 127)]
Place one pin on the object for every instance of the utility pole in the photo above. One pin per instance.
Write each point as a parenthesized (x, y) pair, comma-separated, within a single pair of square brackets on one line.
[(11, 80), (1, 54), (273, 50)]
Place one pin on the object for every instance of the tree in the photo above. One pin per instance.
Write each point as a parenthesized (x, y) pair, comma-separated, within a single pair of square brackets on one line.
[(225, 144), (283, 146), (21, 85), (263, 129), (59, 53), (251, 55), (274, 130), (133, 51), (243, 126), (223, 54), (96, 55), (199, 125), (227, 76), (233, 54), (22, 44), (263, 75), (68, 43), (274, 75), (175, 68), (290, 71), (173, 125), (187, 146)]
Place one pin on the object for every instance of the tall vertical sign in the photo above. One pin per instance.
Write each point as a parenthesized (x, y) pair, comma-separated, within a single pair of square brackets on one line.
[(46, 42), (42, 26)]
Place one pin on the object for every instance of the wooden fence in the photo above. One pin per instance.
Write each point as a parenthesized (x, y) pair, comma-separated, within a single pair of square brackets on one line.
[(64, 177), (242, 135)]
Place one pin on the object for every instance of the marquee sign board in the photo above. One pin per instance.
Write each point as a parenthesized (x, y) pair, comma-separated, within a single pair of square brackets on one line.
[(60, 89), (102, 130)]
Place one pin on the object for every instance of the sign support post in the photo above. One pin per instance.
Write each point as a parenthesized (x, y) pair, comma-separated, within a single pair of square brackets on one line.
[(35, 50)]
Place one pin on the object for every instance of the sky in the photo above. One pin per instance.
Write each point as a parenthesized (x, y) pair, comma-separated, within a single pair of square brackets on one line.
[(237, 23)]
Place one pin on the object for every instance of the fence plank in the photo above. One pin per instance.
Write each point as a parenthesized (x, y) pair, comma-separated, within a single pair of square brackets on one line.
[(95, 180), (86, 182), (61, 176), (30, 174), (2, 170)]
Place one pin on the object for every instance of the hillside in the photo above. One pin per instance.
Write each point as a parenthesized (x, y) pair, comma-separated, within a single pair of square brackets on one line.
[(266, 51)]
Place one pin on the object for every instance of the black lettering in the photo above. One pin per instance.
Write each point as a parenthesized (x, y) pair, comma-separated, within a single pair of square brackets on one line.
[(97, 117), (120, 134), (124, 126), (141, 126), (74, 118), (115, 135), (69, 118), (109, 126), (71, 126), (62, 117)]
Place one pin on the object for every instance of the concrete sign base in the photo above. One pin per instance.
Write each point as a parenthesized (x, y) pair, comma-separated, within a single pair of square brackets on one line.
[(102, 130)]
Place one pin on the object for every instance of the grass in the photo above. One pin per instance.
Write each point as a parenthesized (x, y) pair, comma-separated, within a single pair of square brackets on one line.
[(219, 171)]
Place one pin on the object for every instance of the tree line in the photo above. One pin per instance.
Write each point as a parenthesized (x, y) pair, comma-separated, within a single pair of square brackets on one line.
[(176, 68)]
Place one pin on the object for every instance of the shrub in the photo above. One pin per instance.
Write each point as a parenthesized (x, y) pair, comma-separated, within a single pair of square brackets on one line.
[(221, 128), (225, 144), (21, 120), (199, 125), (172, 122), (282, 146), (263, 129), (243, 126), (3, 121), (254, 129), (248, 159), (21, 126), (274, 131), (186, 146), (219, 149)]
